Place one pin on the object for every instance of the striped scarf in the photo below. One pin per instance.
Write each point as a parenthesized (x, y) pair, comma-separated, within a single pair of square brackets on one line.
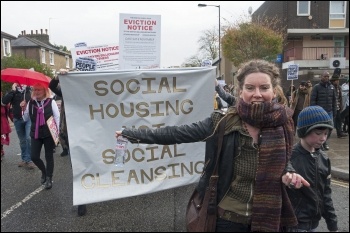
[(271, 206)]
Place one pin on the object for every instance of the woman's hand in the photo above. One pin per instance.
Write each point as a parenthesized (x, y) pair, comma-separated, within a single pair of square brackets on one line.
[(294, 180)]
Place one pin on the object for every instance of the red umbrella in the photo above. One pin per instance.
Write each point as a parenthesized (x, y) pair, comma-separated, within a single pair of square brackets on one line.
[(24, 77)]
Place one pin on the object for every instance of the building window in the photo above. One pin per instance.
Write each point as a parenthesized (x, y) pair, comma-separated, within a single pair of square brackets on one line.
[(67, 61), (43, 59), (337, 14), (7, 48), (52, 58), (303, 8)]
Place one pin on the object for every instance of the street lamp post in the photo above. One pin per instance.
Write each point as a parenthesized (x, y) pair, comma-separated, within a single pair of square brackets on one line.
[(218, 6), (50, 36)]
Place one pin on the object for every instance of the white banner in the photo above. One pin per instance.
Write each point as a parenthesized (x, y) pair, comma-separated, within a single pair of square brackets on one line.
[(139, 40), (95, 58), (99, 103)]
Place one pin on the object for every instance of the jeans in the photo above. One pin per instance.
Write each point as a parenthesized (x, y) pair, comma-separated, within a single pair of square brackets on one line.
[(23, 131)]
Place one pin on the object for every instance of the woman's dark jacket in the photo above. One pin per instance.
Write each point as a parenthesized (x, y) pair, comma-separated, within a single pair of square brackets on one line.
[(14, 98), (195, 132), (312, 203), (44, 131), (323, 95)]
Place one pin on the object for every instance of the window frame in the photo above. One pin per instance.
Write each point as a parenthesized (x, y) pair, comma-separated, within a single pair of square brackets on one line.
[(67, 61), (308, 10), (338, 13), (52, 57), (43, 55), (4, 41)]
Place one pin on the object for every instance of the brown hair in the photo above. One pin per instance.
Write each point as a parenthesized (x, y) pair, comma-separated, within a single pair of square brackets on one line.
[(281, 98), (258, 66)]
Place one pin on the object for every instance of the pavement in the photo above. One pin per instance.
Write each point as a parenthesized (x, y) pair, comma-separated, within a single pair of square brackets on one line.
[(338, 153)]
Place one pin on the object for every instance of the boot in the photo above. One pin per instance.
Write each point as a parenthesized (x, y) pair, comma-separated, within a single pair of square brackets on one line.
[(48, 184), (81, 210), (43, 178), (64, 152)]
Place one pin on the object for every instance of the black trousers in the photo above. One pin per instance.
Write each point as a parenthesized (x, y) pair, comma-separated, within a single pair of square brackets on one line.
[(49, 145), (344, 116), (223, 225)]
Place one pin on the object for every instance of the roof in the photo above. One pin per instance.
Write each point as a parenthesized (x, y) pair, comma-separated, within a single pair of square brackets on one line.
[(24, 41), (7, 36), (216, 61)]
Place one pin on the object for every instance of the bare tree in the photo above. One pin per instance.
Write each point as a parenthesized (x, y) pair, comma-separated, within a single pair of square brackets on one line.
[(209, 43)]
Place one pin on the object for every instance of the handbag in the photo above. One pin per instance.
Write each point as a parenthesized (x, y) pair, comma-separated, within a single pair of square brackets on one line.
[(201, 213)]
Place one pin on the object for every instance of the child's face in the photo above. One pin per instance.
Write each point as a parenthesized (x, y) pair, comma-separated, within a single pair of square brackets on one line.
[(316, 138)]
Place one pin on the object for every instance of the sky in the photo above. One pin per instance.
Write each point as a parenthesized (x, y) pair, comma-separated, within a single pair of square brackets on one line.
[(97, 22)]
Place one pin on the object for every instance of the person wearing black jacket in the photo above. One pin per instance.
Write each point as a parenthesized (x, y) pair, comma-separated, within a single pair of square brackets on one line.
[(56, 88), (18, 97), (312, 203), (256, 148), (323, 94)]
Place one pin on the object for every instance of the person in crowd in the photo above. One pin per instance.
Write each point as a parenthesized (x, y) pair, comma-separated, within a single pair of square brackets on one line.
[(312, 203), (226, 96), (344, 115), (39, 109), (280, 97), (300, 100), (289, 92), (309, 86), (323, 94), (217, 102), (232, 89), (5, 128), (257, 145), (18, 98), (55, 87), (337, 119)]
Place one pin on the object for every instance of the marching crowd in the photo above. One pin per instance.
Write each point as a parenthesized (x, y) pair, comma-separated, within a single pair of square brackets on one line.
[(260, 122)]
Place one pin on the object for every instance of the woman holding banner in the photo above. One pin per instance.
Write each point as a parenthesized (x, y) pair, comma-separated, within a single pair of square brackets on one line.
[(39, 110), (255, 152)]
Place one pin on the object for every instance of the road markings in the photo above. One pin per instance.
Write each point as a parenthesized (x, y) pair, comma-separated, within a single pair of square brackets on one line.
[(15, 206), (340, 183)]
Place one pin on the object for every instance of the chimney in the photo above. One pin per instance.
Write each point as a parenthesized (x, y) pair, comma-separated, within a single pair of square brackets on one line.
[(31, 32), (24, 32), (41, 37)]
